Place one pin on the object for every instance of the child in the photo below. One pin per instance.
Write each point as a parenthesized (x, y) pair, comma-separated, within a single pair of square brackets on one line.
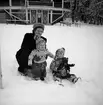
[(60, 67), (37, 59)]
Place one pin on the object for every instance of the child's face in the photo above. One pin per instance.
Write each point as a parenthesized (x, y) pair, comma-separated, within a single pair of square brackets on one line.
[(60, 54), (41, 46)]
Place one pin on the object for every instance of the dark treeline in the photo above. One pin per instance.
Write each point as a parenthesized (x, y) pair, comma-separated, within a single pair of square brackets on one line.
[(88, 11)]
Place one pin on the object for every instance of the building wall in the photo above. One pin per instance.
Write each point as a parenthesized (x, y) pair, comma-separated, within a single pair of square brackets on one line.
[(56, 15), (2, 18), (40, 16)]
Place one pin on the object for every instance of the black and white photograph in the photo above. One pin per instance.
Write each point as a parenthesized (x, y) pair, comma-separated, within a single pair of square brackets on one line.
[(51, 52)]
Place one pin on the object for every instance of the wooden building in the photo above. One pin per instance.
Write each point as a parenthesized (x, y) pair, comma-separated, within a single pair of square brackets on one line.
[(30, 12)]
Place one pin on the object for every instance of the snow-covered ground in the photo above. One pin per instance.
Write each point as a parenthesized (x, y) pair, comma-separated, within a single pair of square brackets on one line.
[(84, 47)]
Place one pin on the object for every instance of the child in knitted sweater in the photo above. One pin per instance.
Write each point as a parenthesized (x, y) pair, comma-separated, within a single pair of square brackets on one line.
[(37, 59)]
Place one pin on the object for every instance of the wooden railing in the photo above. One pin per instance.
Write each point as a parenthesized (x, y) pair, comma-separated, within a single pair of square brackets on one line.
[(31, 3), (15, 18)]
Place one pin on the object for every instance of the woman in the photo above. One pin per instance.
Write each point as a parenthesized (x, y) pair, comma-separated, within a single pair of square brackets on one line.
[(28, 44)]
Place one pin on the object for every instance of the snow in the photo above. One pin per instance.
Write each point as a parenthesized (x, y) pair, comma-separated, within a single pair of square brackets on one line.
[(84, 47)]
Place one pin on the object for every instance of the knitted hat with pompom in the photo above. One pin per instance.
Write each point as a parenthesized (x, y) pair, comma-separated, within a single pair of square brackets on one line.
[(38, 25)]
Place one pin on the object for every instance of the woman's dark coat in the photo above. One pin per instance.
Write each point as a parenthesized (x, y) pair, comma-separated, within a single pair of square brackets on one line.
[(27, 46)]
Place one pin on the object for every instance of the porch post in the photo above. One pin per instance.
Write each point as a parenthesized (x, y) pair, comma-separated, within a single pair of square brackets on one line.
[(51, 16), (36, 16), (26, 10), (30, 16), (62, 6), (48, 17), (10, 4), (42, 16)]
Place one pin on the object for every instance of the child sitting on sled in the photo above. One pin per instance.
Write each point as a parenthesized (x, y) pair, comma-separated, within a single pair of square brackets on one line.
[(37, 60), (60, 67)]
